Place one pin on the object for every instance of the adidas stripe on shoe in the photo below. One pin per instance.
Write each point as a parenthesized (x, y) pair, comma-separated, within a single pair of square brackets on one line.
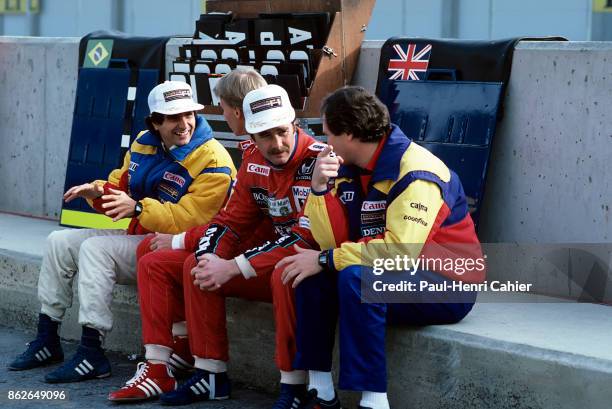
[(202, 386), (87, 363), (150, 381)]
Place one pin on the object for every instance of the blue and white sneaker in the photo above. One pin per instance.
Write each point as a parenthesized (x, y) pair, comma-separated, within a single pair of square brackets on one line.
[(203, 385), (87, 363), (40, 352), (314, 402), (290, 397)]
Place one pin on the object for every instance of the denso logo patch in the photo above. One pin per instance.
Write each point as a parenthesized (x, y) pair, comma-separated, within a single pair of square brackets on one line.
[(259, 169), (179, 180), (371, 206), (372, 231)]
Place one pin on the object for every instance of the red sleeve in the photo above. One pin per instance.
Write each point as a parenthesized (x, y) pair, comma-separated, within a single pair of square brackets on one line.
[(264, 258), (240, 215)]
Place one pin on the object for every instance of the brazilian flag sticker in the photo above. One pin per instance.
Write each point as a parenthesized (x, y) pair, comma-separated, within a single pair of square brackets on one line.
[(98, 53)]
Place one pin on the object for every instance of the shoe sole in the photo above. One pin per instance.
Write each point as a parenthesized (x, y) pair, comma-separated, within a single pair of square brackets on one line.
[(42, 365), (101, 376), (134, 399), (193, 401)]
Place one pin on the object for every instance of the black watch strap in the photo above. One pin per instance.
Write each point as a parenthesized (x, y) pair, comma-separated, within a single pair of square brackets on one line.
[(325, 259), (137, 209)]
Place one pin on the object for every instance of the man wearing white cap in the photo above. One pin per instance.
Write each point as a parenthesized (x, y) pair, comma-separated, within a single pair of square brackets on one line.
[(174, 176), (272, 183)]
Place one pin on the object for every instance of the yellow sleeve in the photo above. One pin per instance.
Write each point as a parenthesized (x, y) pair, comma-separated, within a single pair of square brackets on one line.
[(203, 200), (409, 219), (327, 218)]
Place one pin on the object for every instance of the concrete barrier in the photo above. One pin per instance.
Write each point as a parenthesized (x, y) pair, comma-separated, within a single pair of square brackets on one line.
[(547, 180)]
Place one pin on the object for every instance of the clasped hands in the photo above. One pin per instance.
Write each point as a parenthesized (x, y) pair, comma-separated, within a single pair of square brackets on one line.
[(212, 271)]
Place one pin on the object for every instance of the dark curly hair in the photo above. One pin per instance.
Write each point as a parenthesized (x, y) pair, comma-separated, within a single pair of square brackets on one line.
[(353, 110)]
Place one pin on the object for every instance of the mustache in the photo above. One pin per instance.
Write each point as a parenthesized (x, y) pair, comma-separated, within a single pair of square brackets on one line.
[(277, 151)]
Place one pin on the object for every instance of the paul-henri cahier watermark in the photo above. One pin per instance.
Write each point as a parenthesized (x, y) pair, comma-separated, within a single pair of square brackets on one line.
[(499, 272)]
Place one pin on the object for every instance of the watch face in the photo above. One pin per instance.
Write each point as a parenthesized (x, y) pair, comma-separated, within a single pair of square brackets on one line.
[(323, 258)]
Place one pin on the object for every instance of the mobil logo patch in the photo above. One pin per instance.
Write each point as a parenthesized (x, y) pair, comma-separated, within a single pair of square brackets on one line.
[(173, 177), (258, 169), (300, 194), (373, 206)]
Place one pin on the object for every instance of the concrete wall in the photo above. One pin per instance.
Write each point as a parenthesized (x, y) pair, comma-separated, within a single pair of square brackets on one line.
[(548, 180), (37, 91)]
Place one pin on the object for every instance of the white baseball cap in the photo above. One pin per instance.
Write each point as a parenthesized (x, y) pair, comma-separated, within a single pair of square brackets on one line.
[(266, 108), (172, 97)]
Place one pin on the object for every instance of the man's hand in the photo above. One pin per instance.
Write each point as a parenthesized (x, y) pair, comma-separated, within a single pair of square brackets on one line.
[(299, 266), (87, 191), (326, 167), (161, 241), (212, 272), (120, 205)]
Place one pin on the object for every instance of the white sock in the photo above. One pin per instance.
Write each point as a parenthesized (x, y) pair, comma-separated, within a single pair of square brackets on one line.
[(374, 400), (179, 329), (210, 365), (323, 383), (159, 353), (295, 377)]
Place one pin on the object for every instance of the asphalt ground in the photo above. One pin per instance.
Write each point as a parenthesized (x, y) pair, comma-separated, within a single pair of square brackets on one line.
[(89, 394)]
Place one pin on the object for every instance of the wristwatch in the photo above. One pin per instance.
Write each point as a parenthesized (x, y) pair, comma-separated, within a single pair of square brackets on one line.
[(137, 209), (324, 258)]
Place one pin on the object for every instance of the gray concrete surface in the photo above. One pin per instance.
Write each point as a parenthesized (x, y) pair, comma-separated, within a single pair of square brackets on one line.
[(37, 91), (548, 180), (91, 394), (517, 354)]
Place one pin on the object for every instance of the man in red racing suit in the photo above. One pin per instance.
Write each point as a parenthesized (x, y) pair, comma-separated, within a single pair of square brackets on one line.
[(235, 256)]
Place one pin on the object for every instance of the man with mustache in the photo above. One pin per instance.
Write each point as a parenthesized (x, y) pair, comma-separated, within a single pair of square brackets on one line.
[(272, 183)]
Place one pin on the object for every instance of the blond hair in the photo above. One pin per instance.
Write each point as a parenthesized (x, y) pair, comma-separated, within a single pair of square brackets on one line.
[(233, 86)]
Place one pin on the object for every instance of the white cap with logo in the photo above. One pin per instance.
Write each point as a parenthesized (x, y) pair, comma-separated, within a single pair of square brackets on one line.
[(172, 97), (266, 108)]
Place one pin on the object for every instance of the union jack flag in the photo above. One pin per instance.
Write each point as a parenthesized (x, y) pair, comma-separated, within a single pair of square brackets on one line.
[(411, 65)]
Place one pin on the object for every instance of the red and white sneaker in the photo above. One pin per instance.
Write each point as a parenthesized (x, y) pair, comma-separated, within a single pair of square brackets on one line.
[(181, 360), (150, 381)]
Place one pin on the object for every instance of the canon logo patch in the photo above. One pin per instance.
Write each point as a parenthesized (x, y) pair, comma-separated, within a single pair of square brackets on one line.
[(259, 169), (370, 206)]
